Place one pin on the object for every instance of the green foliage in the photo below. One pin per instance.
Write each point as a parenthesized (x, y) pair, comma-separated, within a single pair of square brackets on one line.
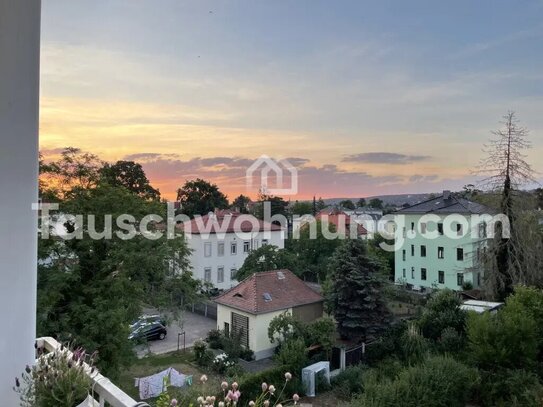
[(356, 293), (388, 345), (214, 339), (241, 203), (438, 381), (301, 208), (503, 340), (361, 203), (414, 346), (514, 388), (202, 354), (265, 258), (199, 197), (451, 342), (321, 332), (442, 311), (284, 327), (347, 204), (250, 385), (349, 382), (293, 355), (376, 203), (313, 250), (131, 176), (277, 206), (528, 300)]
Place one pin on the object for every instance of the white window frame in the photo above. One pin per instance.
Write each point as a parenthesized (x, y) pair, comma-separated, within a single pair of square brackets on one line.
[(207, 249), (220, 274), (220, 249), (234, 248), (246, 246), (207, 272)]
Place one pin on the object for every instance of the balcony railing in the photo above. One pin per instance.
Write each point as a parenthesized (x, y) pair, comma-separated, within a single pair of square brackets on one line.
[(103, 390)]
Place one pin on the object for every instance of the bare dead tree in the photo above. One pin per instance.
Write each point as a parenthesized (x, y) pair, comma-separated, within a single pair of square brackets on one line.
[(506, 170)]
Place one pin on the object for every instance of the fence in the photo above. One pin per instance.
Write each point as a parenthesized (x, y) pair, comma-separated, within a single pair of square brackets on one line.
[(206, 308)]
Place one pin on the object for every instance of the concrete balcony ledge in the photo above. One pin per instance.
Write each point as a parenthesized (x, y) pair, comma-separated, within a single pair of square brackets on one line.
[(103, 390)]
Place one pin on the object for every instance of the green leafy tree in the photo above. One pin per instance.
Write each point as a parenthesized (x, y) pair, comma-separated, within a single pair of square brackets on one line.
[(347, 204), (376, 203), (356, 295), (265, 258), (361, 203), (313, 250), (277, 205), (199, 197), (130, 175), (241, 203), (284, 327), (321, 332), (301, 208), (319, 205), (442, 311)]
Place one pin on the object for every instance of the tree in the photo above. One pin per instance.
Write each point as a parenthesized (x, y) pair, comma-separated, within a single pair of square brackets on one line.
[(313, 252), (130, 175), (506, 170), (319, 205), (241, 203), (301, 208), (355, 294), (278, 206), (361, 203), (199, 197), (265, 258), (441, 312), (347, 204), (376, 203)]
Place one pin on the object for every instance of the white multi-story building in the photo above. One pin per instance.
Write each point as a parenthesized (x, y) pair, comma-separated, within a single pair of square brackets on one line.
[(221, 242)]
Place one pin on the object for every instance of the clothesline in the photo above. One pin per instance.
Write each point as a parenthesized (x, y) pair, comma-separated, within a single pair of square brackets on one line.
[(155, 385)]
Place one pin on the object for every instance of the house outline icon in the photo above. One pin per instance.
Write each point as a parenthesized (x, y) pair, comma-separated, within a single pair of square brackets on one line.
[(268, 165)]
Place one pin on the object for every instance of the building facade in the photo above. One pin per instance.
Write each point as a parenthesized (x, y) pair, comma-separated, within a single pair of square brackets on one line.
[(249, 307), (440, 243), (221, 242)]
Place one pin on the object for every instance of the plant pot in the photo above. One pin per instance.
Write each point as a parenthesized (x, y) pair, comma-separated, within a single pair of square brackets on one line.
[(88, 402)]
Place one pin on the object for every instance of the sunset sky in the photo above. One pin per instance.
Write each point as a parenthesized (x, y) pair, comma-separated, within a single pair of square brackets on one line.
[(364, 98)]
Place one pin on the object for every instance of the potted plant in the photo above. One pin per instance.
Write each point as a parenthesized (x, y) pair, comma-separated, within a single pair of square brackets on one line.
[(62, 378)]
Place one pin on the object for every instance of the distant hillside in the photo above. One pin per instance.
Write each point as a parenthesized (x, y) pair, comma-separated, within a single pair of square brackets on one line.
[(395, 200)]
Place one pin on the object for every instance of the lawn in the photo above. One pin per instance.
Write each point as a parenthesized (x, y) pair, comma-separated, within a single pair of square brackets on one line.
[(182, 361)]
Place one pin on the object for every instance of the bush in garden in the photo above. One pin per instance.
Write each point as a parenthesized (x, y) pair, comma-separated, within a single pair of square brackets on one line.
[(442, 311), (221, 362), (507, 339), (451, 341), (414, 346), (215, 339), (251, 384), (514, 388), (349, 382), (390, 344), (293, 354), (438, 381), (202, 354), (321, 332)]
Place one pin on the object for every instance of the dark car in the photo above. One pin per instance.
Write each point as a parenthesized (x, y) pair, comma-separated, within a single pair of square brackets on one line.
[(148, 332), (147, 319)]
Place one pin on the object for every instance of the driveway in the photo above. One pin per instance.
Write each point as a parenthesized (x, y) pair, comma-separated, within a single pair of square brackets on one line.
[(195, 326)]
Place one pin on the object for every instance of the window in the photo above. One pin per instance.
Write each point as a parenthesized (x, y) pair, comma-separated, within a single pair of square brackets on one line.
[(404, 233), (413, 273), (233, 248), (233, 273), (423, 274), (246, 247), (207, 249), (440, 228), (240, 326), (440, 253), (459, 279), (423, 227), (207, 274), (403, 273), (459, 254), (412, 250), (403, 254), (220, 249), (441, 277), (220, 274), (422, 250), (459, 231)]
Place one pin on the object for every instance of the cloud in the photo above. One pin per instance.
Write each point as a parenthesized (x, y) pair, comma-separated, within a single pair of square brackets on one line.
[(384, 158), (423, 178)]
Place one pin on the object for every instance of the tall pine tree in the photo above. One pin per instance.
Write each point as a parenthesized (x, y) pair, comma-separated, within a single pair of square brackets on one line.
[(355, 293)]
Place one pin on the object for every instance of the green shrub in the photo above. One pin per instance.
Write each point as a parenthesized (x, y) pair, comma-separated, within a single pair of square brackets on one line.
[(215, 339), (510, 388), (438, 381), (507, 339), (388, 345), (202, 354), (293, 355), (250, 385), (349, 382), (451, 341), (414, 346), (442, 311)]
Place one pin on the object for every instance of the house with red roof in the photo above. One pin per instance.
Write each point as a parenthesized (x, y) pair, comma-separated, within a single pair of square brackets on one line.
[(250, 306), (221, 241), (345, 224)]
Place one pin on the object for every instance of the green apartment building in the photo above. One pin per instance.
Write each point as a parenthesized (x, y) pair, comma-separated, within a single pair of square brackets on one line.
[(439, 243)]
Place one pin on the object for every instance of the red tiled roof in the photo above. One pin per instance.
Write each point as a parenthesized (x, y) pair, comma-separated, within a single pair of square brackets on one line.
[(227, 222), (339, 219), (269, 291)]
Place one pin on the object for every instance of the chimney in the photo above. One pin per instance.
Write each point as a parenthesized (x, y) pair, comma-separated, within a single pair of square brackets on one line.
[(446, 194)]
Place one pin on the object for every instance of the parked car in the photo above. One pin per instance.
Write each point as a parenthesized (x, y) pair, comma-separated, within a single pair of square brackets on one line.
[(147, 319), (148, 331)]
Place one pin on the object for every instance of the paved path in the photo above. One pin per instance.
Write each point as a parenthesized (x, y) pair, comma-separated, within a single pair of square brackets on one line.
[(195, 326)]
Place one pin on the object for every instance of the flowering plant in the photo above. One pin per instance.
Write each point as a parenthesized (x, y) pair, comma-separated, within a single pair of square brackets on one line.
[(222, 362), (59, 378)]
